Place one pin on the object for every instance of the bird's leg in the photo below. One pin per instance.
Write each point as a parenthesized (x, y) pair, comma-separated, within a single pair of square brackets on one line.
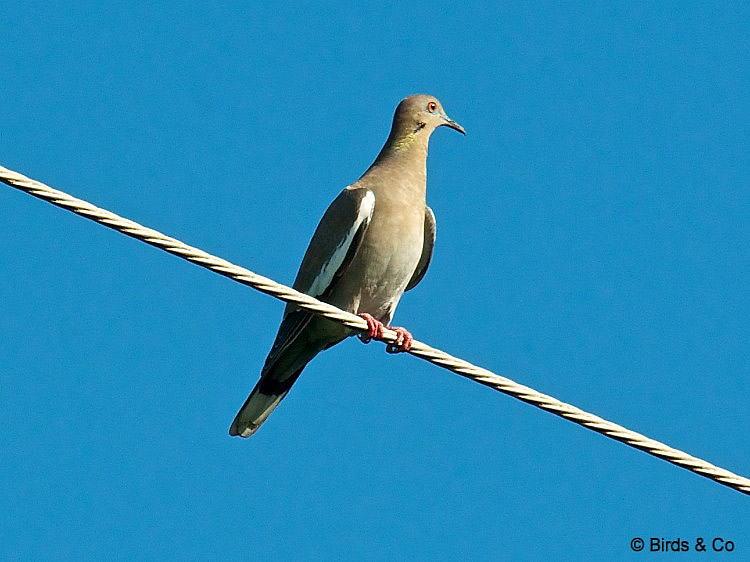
[(403, 340), (375, 332), (375, 328)]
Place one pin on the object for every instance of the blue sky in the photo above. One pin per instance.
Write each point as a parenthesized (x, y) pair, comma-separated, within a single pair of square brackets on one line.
[(593, 243)]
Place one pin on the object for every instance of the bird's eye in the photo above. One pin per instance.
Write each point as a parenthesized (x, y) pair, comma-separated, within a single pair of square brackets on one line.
[(432, 107)]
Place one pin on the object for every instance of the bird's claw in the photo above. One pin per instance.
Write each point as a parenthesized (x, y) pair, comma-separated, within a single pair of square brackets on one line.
[(403, 341), (375, 329)]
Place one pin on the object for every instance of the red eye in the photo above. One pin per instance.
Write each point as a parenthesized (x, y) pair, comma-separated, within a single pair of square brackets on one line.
[(432, 107)]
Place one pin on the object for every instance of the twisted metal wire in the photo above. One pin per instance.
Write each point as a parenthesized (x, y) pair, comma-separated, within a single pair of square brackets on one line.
[(418, 349)]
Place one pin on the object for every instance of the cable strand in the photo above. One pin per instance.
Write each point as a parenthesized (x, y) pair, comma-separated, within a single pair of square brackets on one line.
[(418, 349)]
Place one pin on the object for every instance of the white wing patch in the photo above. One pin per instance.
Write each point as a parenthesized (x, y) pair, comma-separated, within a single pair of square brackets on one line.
[(324, 278)]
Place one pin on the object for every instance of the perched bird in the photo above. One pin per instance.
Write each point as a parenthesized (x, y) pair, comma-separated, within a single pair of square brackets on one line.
[(373, 243)]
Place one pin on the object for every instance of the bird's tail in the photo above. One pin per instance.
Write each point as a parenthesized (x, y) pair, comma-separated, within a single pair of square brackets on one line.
[(262, 400)]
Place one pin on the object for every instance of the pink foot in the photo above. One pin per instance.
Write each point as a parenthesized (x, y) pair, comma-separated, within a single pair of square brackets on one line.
[(403, 341), (375, 328)]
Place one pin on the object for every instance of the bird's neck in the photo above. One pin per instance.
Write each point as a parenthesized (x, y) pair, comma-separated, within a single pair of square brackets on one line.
[(403, 155), (410, 144)]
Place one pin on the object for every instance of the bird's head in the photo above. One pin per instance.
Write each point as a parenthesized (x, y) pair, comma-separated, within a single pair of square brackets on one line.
[(418, 116)]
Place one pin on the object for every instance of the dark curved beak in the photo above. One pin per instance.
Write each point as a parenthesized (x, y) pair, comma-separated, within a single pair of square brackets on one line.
[(453, 125)]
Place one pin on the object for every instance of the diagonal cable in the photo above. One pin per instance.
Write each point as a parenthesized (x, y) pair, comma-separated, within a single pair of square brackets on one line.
[(418, 349)]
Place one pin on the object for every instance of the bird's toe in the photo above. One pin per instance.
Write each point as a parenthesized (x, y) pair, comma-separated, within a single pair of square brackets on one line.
[(403, 341), (374, 328)]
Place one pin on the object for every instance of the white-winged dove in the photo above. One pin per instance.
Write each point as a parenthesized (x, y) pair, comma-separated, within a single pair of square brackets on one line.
[(373, 243)]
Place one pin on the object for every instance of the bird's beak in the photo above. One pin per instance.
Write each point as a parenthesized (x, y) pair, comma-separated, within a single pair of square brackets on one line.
[(453, 125)]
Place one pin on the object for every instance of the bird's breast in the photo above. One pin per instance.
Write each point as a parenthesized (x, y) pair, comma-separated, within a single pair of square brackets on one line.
[(387, 258)]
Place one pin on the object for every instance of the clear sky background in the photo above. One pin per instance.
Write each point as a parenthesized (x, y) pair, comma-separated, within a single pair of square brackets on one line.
[(593, 243)]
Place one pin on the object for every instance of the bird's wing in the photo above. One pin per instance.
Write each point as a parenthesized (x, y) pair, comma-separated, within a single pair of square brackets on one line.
[(331, 250), (430, 229), (336, 241)]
